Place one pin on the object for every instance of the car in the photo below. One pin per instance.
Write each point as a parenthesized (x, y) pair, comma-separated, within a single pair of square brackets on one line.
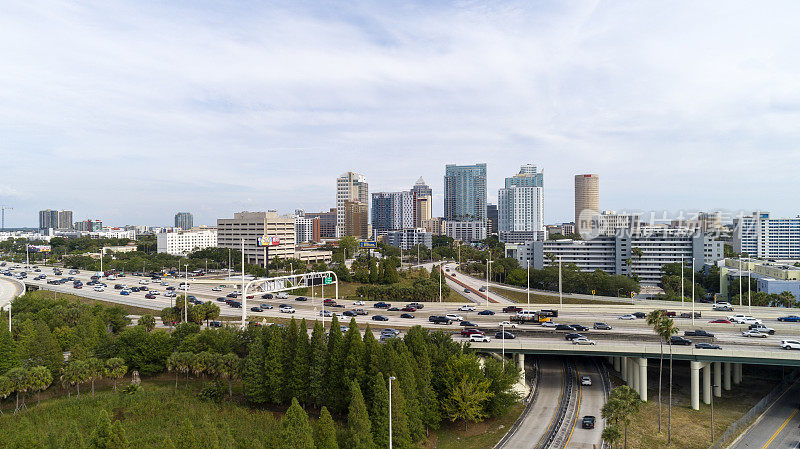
[(720, 321), (468, 332), (512, 309), (588, 422), (406, 315), (379, 318), (586, 381), (466, 308), (77, 286), (150, 296), (762, 328), (219, 299), (99, 288), (698, 333), (236, 305), (358, 303), (301, 298), (170, 294), (438, 319), (626, 317), (416, 305), (216, 289), (754, 334), (256, 309), (118, 287), (381, 305), (155, 292), (251, 296), (466, 290), (723, 306), (454, 317), (350, 313), (467, 323), (266, 306), (508, 324), (281, 295), (267, 296), (393, 309), (145, 282), (583, 341), (564, 327), (287, 309), (572, 336), (676, 340), (328, 301), (215, 324), (504, 335), (408, 309), (360, 312), (124, 292), (790, 344), (171, 288), (143, 289), (703, 345), (232, 295), (486, 312), (743, 319), (580, 327), (639, 315), (552, 324), (482, 289), (390, 331), (325, 313), (479, 338), (601, 326), (790, 319)]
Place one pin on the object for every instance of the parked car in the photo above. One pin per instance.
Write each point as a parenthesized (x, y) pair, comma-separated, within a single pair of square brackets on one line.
[(790, 319), (583, 341), (704, 345), (588, 422), (790, 344), (601, 326), (504, 335), (754, 334), (676, 340), (486, 312), (479, 338), (626, 317), (379, 318)]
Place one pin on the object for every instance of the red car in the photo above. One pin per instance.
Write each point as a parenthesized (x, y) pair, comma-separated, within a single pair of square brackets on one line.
[(408, 309), (721, 320), (150, 296), (468, 332), (251, 296)]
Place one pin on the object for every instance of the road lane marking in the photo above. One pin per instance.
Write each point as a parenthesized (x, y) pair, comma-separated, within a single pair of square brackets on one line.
[(577, 410), (780, 429), (560, 394)]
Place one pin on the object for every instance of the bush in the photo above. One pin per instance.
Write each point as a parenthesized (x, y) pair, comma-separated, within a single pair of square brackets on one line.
[(214, 392)]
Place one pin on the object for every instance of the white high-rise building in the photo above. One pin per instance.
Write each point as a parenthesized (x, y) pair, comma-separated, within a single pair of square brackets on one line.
[(520, 208), (303, 229), (350, 187), (181, 243), (758, 235)]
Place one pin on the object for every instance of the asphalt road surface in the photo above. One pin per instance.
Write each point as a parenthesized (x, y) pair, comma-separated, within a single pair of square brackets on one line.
[(592, 399), (777, 428), (542, 412)]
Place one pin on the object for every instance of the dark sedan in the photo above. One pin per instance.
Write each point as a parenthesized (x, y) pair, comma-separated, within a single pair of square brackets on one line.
[(379, 318), (407, 315), (588, 422), (486, 312), (707, 346), (504, 335)]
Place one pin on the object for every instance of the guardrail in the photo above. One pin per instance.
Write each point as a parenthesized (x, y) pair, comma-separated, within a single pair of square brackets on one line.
[(477, 292), (733, 430), (552, 438), (605, 379), (534, 393)]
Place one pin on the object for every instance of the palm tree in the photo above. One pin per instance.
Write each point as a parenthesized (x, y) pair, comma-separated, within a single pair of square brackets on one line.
[(654, 319), (667, 330), (622, 404)]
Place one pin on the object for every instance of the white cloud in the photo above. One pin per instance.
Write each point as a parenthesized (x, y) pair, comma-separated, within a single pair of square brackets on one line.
[(212, 108)]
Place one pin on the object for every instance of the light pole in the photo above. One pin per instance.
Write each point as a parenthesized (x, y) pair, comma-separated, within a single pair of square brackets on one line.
[(186, 296), (713, 388), (560, 293), (503, 335), (740, 281), (391, 378), (692, 290), (682, 266), (528, 288), (441, 273), (749, 305), (488, 269)]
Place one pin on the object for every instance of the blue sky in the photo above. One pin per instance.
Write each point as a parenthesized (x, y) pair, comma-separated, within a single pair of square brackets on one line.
[(130, 111)]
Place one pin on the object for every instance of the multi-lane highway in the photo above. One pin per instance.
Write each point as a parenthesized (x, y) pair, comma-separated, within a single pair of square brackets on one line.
[(777, 427), (9, 290), (541, 415)]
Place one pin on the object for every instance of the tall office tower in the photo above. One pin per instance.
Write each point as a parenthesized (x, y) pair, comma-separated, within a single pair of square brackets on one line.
[(423, 202), (587, 201), (48, 219), (520, 209), (349, 187), (491, 216), (465, 201), (356, 221), (184, 220), (65, 219), (392, 211)]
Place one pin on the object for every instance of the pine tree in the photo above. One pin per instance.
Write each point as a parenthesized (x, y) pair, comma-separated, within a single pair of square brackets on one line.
[(296, 429), (408, 382), (379, 412), (401, 434), (300, 367), (352, 354), (253, 374), (273, 366), (37, 346), (429, 403), (317, 357), (8, 353), (325, 431), (373, 272), (372, 354), (359, 426), (117, 439), (287, 363), (335, 382)]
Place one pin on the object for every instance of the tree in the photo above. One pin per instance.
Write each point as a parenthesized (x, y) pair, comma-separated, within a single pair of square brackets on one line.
[(273, 366), (359, 426), (94, 370), (622, 404), (466, 399), (611, 434), (655, 319), (325, 431), (20, 382), (39, 378), (37, 346), (401, 433), (317, 355), (253, 372), (107, 435), (295, 428), (76, 373), (8, 354), (148, 321), (115, 369), (666, 330), (6, 387), (379, 412), (229, 368)]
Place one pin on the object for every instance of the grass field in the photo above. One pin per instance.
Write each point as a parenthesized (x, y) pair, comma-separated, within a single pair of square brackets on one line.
[(691, 429), (477, 436), (522, 297)]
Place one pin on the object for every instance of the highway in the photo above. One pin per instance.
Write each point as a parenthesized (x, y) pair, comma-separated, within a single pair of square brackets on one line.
[(8, 291), (542, 413), (592, 399), (777, 427)]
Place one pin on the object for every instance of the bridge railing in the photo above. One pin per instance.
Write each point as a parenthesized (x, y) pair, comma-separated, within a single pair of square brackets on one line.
[(742, 423)]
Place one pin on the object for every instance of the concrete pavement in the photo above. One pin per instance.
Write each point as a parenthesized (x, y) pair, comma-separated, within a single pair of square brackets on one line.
[(592, 399), (777, 428)]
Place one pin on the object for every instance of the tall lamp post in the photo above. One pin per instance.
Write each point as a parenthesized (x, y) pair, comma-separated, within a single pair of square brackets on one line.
[(503, 334), (186, 297), (692, 290), (528, 288), (560, 292), (488, 270), (391, 378), (682, 266)]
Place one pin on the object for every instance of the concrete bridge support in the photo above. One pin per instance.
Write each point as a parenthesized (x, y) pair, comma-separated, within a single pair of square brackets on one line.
[(643, 379), (617, 364), (707, 383), (519, 360), (694, 392), (737, 373), (726, 376), (624, 371), (717, 379)]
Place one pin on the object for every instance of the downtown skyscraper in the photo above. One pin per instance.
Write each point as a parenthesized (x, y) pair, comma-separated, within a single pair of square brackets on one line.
[(520, 207), (465, 202)]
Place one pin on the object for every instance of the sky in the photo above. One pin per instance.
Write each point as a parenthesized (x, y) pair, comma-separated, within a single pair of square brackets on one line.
[(130, 111)]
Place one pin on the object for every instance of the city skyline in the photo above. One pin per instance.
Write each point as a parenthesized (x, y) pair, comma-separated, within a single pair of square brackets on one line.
[(266, 117)]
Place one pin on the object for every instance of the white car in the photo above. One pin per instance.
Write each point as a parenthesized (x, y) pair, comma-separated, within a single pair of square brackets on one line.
[(99, 288), (508, 324), (170, 294), (155, 292), (454, 317), (164, 284), (790, 344), (549, 324), (280, 295), (744, 319), (466, 309), (358, 303), (216, 289), (586, 381), (726, 306), (143, 282), (754, 333), (583, 341), (478, 338), (626, 317), (287, 309)]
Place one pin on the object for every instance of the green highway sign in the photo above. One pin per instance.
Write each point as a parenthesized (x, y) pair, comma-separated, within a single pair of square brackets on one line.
[(327, 280)]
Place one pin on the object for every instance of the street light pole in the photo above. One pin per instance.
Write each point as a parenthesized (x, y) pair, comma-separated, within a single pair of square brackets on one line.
[(692, 290), (186, 296), (488, 269), (391, 378), (560, 292), (682, 266), (528, 288), (740, 281), (713, 388), (749, 305), (503, 334), (441, 273)]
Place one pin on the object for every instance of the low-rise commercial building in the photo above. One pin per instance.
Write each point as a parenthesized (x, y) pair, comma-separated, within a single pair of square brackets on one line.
[(247, 227), (409, 238), (181, 243)]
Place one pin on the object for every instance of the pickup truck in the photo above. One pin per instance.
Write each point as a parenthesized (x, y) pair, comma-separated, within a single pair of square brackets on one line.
[(689, 315), (512, 309), (698, 333), (668, 313), (763, 329)]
